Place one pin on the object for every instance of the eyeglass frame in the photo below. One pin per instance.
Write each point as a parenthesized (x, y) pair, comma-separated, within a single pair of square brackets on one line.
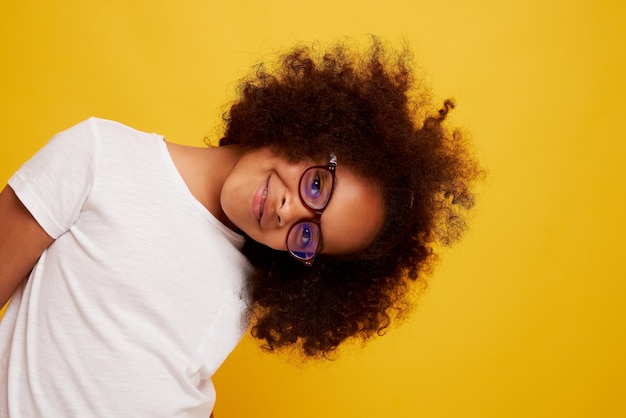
[(332, 166)]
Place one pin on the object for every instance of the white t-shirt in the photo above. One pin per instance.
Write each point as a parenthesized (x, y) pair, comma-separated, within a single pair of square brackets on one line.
[(139, 299)]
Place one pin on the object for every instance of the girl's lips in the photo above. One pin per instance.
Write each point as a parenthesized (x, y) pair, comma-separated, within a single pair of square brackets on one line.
[(262, 210), (259, 200)]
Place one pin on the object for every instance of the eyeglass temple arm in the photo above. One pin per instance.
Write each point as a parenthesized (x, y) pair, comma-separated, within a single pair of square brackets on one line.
[(332, 161)]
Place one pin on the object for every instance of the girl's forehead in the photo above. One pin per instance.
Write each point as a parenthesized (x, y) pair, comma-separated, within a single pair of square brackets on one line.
[(354, 215)]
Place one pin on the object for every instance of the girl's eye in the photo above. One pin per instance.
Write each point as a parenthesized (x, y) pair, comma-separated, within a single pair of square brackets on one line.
[(305, 236), (316, 186)]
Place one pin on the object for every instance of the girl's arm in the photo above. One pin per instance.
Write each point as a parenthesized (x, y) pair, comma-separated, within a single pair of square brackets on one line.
[(22, 241)]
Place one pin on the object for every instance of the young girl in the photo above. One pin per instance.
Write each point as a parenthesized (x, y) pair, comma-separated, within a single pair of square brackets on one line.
[(134, 265)]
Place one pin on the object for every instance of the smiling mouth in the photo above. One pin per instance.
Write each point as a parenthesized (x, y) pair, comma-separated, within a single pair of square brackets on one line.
[(263, 200), (263, 204)]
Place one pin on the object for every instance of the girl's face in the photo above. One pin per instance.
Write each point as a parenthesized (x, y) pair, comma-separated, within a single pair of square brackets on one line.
[(261, 197)]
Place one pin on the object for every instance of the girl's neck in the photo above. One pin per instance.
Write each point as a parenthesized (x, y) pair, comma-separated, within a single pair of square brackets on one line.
[(204, 170)]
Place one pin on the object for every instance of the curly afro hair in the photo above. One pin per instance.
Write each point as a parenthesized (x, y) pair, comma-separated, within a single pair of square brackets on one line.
[(369, 110)]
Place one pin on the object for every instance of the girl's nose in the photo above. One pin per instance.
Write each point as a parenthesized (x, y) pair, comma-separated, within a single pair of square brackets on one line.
[(291, 209)]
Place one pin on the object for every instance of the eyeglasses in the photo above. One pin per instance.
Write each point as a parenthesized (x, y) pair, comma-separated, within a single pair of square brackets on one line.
[(316, 187)]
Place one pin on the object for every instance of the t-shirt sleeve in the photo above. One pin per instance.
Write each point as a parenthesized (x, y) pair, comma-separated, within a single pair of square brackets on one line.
[(55, 182)]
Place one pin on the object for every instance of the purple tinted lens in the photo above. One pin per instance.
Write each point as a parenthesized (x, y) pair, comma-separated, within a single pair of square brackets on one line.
[(303, 240), (316, 186)]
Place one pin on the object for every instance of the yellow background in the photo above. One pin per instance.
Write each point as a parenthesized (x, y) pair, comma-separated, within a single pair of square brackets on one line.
[(525, 318)]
